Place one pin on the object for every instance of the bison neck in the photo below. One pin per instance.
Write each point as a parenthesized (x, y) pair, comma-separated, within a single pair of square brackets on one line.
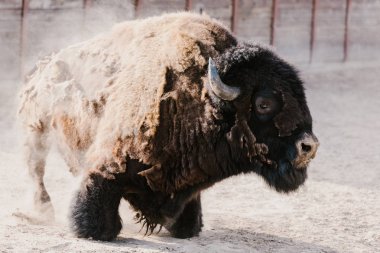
[(207, 161), (191, 148)]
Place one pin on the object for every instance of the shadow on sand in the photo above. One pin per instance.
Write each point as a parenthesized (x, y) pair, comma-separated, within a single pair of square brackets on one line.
[(221, 240)]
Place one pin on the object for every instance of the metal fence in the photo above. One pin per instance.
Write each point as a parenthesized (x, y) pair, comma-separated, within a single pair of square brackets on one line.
[(304, 31)]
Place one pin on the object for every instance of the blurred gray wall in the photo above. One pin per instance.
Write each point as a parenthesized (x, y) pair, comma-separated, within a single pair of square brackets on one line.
[(303, 31)]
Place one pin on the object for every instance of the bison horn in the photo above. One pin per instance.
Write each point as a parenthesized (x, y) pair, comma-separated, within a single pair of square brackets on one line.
[(219, 88)]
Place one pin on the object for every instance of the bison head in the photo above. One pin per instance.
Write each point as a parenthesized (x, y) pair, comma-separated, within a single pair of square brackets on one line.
[(270, 128)]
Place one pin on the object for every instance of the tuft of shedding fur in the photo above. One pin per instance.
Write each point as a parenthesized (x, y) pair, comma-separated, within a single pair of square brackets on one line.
[(134, 110)]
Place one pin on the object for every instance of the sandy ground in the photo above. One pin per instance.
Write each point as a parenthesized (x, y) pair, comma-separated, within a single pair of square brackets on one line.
[(338, 209)]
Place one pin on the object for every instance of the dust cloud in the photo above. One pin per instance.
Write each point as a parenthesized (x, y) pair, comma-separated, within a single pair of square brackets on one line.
[(336, 211), (43, 32)]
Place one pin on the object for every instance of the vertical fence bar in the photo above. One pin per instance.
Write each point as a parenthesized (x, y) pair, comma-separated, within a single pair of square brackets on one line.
[(312, 29), (346, 30), (235, 15), (273, 22), (23, 36), (87, 3), (188, 5), (137, 7)]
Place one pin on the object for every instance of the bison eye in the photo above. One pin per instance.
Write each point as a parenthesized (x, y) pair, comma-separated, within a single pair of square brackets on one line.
[(265, 106)]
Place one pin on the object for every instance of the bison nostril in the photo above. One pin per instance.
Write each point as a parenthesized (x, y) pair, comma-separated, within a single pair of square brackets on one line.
[(305, 148), (307, 145)]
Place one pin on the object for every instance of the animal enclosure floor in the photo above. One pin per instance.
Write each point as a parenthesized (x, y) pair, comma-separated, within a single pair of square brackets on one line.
[(337, 210)]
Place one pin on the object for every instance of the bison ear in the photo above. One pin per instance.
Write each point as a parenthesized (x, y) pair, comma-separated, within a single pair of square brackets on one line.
[(220, 89)]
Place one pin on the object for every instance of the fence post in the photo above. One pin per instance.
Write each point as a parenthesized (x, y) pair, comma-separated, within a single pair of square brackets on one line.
[(346, 30), (23, 36), (188, 5), (137, 7), (273, 22), (312, 28), (235, 15)]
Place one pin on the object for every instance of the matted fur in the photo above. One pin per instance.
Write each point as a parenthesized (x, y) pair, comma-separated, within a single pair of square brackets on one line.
[(102, 97)]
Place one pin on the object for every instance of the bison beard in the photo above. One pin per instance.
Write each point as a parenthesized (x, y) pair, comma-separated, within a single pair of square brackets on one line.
[(175, 105)]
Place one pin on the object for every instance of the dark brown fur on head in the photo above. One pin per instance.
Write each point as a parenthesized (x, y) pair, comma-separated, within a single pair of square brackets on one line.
[(202, 144), (257, 70)]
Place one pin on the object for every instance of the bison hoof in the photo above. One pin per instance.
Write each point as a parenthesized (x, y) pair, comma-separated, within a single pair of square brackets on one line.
[(185, 233)]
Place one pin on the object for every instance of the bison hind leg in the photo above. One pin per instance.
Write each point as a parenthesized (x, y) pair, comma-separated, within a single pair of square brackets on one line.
[(189, 222), (94, 213), (36, 150)]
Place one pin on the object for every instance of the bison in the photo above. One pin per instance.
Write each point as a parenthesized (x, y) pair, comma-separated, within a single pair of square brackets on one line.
[(157, 110)]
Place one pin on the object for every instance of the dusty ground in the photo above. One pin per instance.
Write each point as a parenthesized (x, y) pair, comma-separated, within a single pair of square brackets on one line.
[(338, 209)]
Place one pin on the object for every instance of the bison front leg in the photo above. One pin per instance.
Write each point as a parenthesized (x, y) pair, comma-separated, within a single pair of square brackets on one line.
[(189, 222), (95, 211)]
